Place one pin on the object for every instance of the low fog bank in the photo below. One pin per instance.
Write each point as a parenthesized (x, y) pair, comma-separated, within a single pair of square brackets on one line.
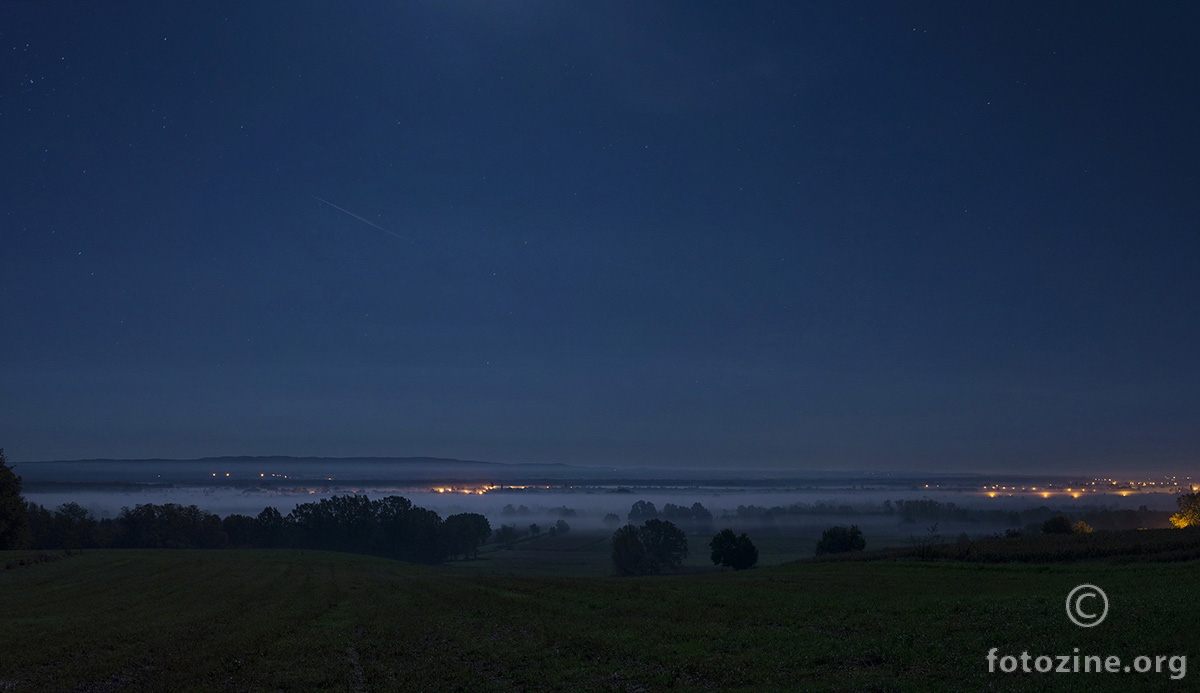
[(891, 512)]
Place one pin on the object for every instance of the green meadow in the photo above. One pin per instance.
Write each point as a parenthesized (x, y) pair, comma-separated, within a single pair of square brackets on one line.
[(279, 620)]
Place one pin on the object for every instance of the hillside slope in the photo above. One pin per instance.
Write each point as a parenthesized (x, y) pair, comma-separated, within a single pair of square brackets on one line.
[(288, 620)]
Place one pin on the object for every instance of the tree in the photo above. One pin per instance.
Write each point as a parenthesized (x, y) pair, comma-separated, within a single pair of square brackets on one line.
[(14, 527), (665, 544), (657, 544), (270, 526), (170, 526), (732, 551), (628, 555), (465, 532), (507, 536), (612, 519), (1081, 527), (41, 527), (534, 529), (642, 510), (561, 527), (1189, 510), (242, 530), (1059, 524), (841, 540)]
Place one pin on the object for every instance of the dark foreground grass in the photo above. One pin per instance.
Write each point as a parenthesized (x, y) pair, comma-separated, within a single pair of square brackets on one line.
[(310, 621)]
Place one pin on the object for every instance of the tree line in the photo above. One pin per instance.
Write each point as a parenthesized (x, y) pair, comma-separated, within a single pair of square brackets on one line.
[(391, 527)]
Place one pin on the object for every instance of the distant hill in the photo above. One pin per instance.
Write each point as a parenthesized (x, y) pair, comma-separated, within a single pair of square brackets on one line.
[(278, 467), (246, 470)]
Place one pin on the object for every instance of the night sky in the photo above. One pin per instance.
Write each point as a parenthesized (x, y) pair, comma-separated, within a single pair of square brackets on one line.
[(841, 236)]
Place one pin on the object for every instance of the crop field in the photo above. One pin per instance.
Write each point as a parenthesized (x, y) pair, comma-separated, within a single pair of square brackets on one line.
[(271, 620)]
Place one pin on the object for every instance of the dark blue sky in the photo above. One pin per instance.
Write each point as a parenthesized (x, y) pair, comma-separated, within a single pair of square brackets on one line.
[(949, 237)]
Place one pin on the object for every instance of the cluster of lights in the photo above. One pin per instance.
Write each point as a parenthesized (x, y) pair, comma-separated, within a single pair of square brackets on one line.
[(1121, 488), (480, 490), (475, 490)]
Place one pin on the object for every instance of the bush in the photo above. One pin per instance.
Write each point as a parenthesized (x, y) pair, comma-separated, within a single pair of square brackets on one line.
[(1081, 527), (841, 540), (732, 551)]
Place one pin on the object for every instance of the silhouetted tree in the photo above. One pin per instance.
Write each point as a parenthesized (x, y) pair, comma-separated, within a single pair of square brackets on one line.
[(507, 536), (14, 528), (345, 523), (561, 527), (642, 510), (657, 544), (74, 528), (271, 528), (1189, 511), (1059, 524), (612, 519), (39, 523), (465, 532), (840, 540), (409, 532), (731, 551), (665, 543), (169, 526), (242, 531), (671, 511), (628, 554)]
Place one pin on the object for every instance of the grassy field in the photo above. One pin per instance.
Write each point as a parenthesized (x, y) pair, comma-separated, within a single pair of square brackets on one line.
[(306, 621)]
